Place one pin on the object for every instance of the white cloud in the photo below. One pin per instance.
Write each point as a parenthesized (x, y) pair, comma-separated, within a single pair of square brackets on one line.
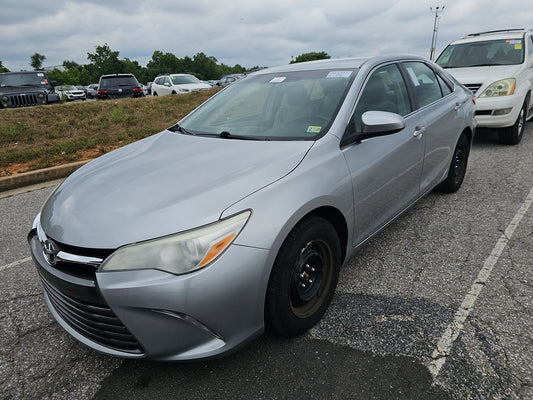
[(246, 32)]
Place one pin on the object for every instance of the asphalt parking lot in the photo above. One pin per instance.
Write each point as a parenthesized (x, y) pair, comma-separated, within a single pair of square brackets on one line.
[(437, 306)]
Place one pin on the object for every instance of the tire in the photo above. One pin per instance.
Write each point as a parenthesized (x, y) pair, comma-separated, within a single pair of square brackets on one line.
[(154, 94), (513, 134), (303, 278), (457, 170)]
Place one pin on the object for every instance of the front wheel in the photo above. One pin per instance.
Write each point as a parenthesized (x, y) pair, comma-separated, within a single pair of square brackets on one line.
[(457, 170), (513, 134), (303, 278)]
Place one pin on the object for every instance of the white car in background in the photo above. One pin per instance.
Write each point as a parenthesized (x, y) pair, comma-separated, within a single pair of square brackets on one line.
[(177, 84), (70, 92), (497, 66)]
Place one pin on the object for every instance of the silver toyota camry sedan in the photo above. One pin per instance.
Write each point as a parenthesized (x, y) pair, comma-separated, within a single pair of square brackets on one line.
[(191, 242)]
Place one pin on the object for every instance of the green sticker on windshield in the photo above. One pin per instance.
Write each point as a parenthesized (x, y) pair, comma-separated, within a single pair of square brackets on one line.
[(313, 129)]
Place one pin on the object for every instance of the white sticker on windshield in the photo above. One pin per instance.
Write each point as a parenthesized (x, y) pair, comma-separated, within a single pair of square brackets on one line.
[(339, 74), (40, 74), (278, 79), (515, 41), (413, 76)]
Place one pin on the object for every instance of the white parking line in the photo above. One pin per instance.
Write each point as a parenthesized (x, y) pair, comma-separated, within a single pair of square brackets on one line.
[(453, 330), (14, 264)]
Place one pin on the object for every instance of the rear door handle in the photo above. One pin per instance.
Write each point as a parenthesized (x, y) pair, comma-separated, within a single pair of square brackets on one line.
[(419, 131)]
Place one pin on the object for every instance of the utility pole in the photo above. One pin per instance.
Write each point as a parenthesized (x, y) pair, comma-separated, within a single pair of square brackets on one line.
[(435, 29)]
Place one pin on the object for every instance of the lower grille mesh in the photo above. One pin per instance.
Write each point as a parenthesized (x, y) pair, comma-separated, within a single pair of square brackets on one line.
[(96, 322)]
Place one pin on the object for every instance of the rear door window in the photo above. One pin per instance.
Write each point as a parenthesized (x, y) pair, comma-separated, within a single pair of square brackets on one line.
[(425, 83)]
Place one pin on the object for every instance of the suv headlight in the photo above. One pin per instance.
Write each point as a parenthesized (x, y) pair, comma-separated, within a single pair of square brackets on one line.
[(504, 87), (180, 253)]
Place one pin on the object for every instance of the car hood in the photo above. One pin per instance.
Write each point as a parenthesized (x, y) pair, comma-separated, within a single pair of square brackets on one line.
[(161, 185), (483, 75)]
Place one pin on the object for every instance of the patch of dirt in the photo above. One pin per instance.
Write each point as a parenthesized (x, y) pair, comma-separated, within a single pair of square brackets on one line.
[(81, 155)]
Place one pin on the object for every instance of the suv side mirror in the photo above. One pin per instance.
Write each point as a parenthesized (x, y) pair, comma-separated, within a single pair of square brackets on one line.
[(53, 83)]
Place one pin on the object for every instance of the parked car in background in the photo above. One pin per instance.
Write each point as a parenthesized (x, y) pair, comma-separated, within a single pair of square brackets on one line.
[(70, 92), (497, 66), (227, 79), (188, 243), (148, 88), (117, 86), (92, 91), (24, 89), (177, 84)]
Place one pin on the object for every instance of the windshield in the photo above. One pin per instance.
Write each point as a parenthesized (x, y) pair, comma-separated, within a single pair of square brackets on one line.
[(490, 52), (283, 106), (23, 79), (182, 79)]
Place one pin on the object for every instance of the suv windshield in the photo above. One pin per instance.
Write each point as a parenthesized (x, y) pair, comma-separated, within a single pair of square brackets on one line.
[(182, 79), (282, 106), (23, 79), (114, 81), (490, 52)]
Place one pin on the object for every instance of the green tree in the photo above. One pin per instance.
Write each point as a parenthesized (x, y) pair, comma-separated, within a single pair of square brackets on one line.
[(105, 60), (310, 57), (70, 64), (37, 61), (2, 68)]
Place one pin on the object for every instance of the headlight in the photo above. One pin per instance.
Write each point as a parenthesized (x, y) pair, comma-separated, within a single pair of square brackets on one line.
[(504, 87), (180, 253), (5, 99)]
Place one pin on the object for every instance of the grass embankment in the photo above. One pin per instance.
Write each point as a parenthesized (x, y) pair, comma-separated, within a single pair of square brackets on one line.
[(44, 136)]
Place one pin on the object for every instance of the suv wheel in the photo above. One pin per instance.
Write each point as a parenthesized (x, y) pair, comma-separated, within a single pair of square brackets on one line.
[(513, 134)]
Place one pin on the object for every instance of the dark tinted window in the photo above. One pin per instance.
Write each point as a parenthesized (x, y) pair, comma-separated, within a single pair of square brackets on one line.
[(426, 85), (115, 81), (384, 91)]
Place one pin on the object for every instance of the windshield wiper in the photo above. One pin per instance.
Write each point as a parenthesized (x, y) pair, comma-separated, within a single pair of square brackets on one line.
[(179, 128), (228, 135)]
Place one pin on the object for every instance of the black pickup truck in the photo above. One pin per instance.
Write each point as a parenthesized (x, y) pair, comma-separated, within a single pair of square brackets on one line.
[(24, 89)]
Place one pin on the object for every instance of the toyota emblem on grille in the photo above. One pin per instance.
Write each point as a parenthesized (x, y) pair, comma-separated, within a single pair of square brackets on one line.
[(50, 251)]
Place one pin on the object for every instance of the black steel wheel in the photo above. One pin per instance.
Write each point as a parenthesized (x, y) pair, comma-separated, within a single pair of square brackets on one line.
[(303, 278), (457, 170)]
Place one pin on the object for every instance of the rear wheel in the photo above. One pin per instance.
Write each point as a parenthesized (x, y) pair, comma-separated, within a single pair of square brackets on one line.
[(457, 170), (513, 134), (154, 94), (303, 278)]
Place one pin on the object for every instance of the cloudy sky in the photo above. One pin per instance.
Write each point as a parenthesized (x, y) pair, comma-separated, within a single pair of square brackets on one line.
[(245, 32)]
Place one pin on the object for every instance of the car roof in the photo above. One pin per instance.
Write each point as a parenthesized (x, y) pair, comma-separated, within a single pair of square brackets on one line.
[(341, 63), (492, 35)]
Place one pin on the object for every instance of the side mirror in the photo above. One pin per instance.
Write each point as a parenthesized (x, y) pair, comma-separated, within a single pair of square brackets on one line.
[(380, 123), (53, 83)]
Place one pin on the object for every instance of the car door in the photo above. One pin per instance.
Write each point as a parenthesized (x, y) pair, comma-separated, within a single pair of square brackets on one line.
[(385, 170), (441, 111)]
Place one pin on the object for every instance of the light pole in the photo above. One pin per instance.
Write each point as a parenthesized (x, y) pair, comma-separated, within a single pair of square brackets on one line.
[(435, 29)]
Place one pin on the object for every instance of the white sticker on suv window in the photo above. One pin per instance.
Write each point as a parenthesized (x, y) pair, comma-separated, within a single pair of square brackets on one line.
[(515, 41), (278, 79), (413, 76), (40, 74), (339, 74)]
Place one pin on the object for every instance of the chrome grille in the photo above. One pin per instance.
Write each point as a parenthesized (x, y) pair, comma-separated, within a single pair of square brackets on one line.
[(473, 87), (96, 322)]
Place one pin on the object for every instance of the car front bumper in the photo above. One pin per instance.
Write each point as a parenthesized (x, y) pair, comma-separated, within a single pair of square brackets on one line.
[(158, 315), (497, 112)]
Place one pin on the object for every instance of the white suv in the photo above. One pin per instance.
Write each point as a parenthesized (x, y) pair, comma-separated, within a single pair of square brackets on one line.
[(176, 84), (497, 66)]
